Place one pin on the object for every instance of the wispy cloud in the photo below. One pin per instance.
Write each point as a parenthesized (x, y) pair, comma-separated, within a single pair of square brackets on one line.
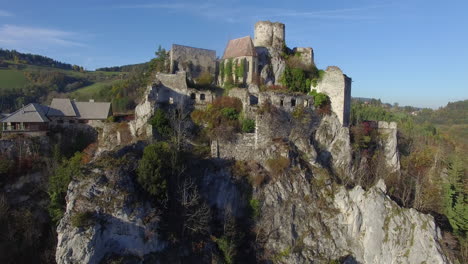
[(4, 13), (235, 14), (22, 36)]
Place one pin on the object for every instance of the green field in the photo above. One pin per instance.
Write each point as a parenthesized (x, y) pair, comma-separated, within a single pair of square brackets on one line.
[(97, 91), (12, 79)]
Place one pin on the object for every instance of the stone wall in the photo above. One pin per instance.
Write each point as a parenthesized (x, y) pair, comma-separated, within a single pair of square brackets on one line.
[(193, 60), (389, 141), (338, 87), (306, 55), (250, 69), (269, 34), (286, 101)]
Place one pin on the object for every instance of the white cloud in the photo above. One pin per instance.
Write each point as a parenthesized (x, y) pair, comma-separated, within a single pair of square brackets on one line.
[(4, 13), (28, 37), (235, 14)]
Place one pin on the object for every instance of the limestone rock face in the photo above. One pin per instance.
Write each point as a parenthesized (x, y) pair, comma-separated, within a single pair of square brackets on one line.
[(143, 112), (334, 145), (118, 222), (273, 65), (312, 225)]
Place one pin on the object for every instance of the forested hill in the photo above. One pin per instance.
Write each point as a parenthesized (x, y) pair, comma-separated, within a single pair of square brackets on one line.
[(33, 59), (124, 68), (455, 113)]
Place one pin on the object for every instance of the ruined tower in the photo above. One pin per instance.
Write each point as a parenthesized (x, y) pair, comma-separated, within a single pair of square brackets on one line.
[(269, 34), (338, 87)]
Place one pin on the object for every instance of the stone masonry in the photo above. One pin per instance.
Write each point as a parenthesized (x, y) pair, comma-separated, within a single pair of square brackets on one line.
[(338, 87), (269, 34)]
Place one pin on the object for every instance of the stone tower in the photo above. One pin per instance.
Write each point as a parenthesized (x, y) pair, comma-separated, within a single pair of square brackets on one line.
[(338, 87), (269, 34)]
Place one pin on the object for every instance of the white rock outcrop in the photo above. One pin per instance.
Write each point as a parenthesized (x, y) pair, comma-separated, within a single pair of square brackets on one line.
[(361, 226), (119, 223)]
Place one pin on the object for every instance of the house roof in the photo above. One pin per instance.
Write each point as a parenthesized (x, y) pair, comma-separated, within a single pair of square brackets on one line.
[(61, 107), (92, 110), (81, 110), (32, 113), (239, 47)]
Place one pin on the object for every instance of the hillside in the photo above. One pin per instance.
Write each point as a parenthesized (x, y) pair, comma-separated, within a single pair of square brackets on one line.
[(26, 78)]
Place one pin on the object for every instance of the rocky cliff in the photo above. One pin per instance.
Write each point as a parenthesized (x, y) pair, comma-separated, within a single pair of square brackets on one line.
[(305, 214), (105, 214)]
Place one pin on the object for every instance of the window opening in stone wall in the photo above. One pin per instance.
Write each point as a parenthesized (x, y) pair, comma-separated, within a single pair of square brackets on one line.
[(193, 96), (202, 97), (281, 102), (253, 100), (293, 102), (247, 64)]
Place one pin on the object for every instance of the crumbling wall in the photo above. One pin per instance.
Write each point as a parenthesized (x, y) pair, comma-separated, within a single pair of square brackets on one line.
[(286, 101), (269, 34), (192, 60), (306, 55), (338, 87)]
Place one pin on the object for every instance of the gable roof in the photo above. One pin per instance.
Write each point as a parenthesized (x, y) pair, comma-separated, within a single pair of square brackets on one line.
[(61, 107), (239, 47), (32, 113), (92, 110)]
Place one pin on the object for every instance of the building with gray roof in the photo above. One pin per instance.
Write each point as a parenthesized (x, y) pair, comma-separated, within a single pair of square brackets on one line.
[(36, 117)]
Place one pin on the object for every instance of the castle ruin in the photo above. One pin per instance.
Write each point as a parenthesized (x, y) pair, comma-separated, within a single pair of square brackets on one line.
[(254, 63)]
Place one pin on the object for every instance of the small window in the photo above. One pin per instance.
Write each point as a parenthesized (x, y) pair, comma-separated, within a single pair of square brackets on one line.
[(193, 96), (60, 121), (281, 102), (306, 103), (202, 97), (253, 100), (293, 102), (171, 100), (72, 121), (81, 121)]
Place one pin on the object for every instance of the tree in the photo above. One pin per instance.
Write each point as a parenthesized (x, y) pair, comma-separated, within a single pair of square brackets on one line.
[(154, 169), (58, 185), (455, 197), (159, 64)]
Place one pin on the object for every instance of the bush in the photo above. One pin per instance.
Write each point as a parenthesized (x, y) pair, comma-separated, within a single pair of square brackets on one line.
[(161, 123), (205, 79), (83, 219), (320, 99), (255, 208), (58, 185), (221, 118), (154, 169), (278, 165), (248, 126), (230, 113)]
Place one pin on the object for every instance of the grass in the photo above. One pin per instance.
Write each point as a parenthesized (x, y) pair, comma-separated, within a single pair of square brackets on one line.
[(12, 79), (93, 91)]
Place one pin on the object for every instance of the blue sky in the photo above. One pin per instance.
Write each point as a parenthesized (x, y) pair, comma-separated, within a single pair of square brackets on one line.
[(414, 52)]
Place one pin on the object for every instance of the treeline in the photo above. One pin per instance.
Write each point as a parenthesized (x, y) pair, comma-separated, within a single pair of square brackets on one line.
[(33, 59), (453, 113), (125, 68)]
